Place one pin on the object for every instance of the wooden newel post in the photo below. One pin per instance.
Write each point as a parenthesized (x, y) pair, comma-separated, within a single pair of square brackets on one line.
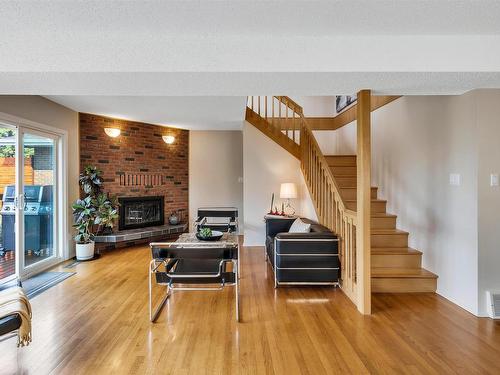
[(363, 229)]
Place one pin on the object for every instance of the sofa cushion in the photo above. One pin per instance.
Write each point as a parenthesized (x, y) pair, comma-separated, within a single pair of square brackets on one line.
[(269, 242), (270, 249), (299, 226), (315, 227)]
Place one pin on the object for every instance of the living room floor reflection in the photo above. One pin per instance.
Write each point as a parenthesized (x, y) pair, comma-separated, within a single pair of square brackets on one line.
[(102, 326)]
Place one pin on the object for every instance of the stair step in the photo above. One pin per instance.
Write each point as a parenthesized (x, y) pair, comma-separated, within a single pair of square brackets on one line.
[(341, 160), (403, 280), (346, 181), (383, 221), (397, 273), (395, 251), (344, 170), (399, 257), (389, 238), (349, 193), (377, 206)]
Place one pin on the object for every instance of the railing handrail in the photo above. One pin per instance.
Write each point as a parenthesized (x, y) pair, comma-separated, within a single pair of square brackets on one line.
[(291, 104), (327, 167), (329, 203)]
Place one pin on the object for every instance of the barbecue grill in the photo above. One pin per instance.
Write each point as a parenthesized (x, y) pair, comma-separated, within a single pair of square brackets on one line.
[(38, 206)]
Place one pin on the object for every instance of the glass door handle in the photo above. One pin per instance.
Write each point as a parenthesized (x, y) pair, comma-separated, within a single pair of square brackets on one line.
[(20, 202)]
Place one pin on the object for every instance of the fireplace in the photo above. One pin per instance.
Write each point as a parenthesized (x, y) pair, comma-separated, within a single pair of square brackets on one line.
[(140, 212)]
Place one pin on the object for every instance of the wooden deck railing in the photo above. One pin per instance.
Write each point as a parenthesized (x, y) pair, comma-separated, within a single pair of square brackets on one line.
[(285, 116)]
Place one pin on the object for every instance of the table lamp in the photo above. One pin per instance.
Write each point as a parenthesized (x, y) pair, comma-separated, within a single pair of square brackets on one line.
[(288, 191)]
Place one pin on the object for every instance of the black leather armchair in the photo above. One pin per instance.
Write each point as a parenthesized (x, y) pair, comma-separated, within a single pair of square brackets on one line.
[(11, 323), (302, 258)]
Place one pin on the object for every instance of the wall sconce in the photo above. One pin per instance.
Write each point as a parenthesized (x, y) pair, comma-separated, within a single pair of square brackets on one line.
[(112, 132), (168, 139)]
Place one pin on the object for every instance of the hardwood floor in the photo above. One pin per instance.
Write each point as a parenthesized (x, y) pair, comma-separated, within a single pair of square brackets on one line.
[(96, 322)]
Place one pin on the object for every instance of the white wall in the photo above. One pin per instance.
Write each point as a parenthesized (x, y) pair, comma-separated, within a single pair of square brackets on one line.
[(316, 106), (215, 170), (488, 123), (44, 111), (265, 166), (416, 143), (327, 141), (320, 106)]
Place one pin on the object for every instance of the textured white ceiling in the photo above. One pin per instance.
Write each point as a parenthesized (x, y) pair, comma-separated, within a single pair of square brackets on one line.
[(233, 17), (193, 113), (129, 58)]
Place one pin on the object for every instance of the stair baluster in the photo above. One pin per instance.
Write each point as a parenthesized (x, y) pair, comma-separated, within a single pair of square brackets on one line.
[(329, 204)]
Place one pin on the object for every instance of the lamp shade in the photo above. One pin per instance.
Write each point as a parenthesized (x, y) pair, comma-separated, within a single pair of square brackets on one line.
[(288, 190)]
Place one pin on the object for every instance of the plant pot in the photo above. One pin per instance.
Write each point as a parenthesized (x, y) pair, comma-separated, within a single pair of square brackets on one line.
[(85, 251)]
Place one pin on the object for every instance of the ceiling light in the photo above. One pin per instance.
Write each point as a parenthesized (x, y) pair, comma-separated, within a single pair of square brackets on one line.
[(112, 132), (168, 139)]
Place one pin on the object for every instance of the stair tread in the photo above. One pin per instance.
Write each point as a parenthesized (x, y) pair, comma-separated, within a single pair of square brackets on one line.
[(354, 187), (373, 200), (388, 231), (341, 156), (416, 273), (382, 214), (395, 251)]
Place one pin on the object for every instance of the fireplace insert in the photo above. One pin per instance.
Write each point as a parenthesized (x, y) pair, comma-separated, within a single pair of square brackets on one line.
[(140, 212)]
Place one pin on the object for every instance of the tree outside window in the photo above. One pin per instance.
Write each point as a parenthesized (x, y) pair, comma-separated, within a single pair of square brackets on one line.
[(10, 151)]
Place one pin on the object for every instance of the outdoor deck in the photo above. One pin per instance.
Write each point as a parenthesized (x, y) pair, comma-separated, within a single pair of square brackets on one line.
[(8, 262)]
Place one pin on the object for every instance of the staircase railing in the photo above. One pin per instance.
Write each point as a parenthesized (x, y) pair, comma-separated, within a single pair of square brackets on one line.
[(285, 116)]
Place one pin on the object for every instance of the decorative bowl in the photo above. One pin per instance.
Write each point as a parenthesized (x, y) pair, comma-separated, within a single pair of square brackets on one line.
[(216, 236)]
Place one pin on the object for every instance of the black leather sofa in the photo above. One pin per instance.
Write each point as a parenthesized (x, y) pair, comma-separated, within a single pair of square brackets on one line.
[(10, 323), (302, 258)]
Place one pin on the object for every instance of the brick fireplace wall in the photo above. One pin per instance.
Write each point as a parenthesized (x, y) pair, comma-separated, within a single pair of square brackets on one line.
[(138, 162)]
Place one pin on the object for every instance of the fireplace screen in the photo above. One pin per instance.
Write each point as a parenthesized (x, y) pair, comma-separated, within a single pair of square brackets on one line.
[(139, 212)]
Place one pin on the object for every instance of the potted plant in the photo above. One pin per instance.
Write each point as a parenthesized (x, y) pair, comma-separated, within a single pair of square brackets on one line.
[(94, 214), (106, 213), (84, 216)]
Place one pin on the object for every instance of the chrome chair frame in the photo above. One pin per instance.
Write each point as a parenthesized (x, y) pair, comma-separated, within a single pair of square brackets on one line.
[(232, 214), (156, 263)]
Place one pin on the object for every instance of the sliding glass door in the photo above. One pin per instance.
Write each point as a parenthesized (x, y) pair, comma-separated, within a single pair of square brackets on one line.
[(8, 193), (29, 176), (40, 187)]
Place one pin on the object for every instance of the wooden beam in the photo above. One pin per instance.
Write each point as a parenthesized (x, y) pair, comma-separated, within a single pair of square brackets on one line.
[(363, 231), (277, 136), (347, 116)]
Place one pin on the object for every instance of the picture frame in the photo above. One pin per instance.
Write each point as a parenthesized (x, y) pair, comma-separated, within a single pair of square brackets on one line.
[(344, 101)]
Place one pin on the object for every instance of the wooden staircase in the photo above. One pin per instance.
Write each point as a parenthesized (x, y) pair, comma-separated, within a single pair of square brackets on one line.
[(395, 266), (374, 254)]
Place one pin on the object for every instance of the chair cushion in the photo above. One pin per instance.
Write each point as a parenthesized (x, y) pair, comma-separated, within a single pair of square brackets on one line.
[(9, 323), (299, 226), (269, 242), (197, 267)]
